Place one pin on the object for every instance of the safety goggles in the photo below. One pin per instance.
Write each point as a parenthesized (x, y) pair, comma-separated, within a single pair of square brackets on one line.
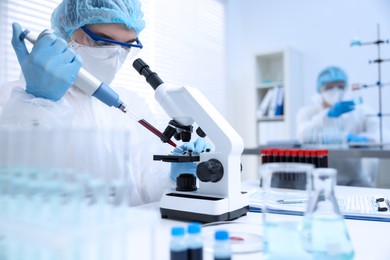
[(102, 41), (332, 85)]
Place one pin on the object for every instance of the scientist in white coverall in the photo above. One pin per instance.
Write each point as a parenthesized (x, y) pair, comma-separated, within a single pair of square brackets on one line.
[(45, 96), (329, 111)]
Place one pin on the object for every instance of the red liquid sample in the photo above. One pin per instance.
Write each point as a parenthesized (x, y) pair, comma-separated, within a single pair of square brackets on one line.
[(154, 130), (236, 238)]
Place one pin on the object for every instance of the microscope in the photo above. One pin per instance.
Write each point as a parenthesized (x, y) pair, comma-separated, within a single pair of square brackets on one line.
[(219, 196)]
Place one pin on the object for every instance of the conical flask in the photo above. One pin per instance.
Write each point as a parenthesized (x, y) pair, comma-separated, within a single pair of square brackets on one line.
[(324, 231)]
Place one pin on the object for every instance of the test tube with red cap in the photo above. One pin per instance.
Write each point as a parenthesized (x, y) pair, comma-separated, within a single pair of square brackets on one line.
[(294, 155), (301, 156), (323, 158), (287, 154), (281, 155), (307, 155), (273, 155), (314, 158), (265, 156)]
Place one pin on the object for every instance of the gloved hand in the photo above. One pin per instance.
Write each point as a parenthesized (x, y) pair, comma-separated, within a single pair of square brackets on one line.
[(50, 68), (357, 138), (197, 147), (340, 108)]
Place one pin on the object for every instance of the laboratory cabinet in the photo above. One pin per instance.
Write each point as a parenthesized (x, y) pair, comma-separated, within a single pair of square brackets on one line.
[(278, 88)]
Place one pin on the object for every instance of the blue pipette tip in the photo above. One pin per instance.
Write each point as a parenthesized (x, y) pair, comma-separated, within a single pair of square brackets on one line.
[(23, 35)]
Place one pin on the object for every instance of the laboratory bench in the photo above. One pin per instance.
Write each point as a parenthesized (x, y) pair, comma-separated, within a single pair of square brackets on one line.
[(369, 238)]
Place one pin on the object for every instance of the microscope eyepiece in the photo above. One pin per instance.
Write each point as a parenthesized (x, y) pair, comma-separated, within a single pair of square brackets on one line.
[(139, 64), (151, 77)]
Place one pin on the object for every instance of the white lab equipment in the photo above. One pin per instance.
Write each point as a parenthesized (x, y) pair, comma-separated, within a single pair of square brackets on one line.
[(219, 196)]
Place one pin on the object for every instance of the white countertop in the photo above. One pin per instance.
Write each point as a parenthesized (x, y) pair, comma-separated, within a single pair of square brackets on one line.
[(370, 238)]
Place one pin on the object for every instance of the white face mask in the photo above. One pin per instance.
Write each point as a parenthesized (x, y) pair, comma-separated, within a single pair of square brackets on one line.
[(102, 62), (332, 96)]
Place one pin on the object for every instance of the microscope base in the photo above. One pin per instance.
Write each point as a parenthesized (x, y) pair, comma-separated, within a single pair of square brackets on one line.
[(201, 208)]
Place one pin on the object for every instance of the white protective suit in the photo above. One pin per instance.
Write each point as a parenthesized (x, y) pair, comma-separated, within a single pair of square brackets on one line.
[(314, 117), (148, 179)]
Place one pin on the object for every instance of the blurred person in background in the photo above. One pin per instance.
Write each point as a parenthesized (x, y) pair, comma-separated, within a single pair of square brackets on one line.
[(330, 119)]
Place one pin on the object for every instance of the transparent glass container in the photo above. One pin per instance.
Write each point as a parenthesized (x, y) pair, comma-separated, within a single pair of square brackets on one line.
[(324, 233), (286, 189)]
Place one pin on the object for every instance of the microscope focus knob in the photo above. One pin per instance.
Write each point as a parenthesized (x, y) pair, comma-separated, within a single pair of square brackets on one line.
[(186, 182), (211, 170)]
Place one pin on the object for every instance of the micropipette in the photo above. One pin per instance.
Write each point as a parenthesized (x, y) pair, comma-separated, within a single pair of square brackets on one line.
[(85, 80), (100, 90)]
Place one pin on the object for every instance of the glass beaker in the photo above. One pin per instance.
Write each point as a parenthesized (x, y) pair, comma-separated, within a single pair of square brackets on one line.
[(324, 231), (285, 188)]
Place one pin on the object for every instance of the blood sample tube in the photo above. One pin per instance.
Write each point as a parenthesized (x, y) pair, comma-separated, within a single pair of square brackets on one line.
[(288, 155), (273, 155), (308, 158), (264, 156), (281, 155), (314, 158), (294, 155)]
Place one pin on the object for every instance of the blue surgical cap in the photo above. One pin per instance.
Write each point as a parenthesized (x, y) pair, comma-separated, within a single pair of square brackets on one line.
[(330, 74), (72, 14)]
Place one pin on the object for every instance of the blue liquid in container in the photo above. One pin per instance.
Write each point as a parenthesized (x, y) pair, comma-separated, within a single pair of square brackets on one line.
[(327, 238), (282, 240)]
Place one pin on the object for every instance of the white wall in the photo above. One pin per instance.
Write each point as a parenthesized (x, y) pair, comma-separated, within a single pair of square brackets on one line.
[(320, 30)]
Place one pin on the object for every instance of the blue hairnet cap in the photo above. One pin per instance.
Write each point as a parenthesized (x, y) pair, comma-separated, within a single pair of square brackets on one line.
[(72, 14), (330, 74)]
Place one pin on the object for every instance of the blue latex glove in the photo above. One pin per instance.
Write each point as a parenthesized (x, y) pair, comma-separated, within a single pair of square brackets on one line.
[(340, 108), (50, 68), (357, 138), (197, 147)]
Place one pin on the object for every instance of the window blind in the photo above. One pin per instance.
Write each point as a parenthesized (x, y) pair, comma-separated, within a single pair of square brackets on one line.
[(31, 14), (183, 42)]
